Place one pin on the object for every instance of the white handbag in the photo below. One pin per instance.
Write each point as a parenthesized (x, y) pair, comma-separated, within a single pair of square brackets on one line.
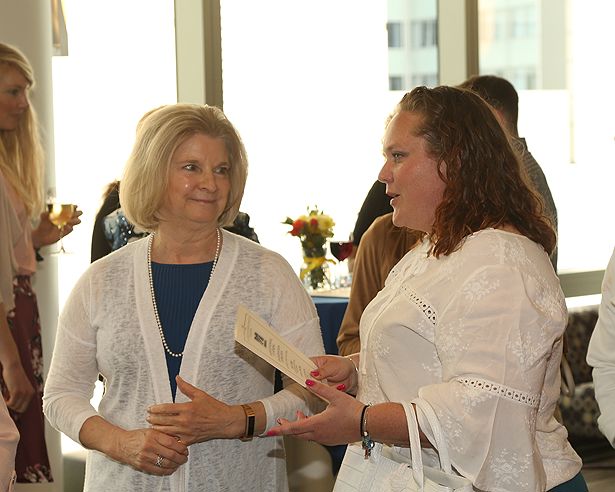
[(391, 469)]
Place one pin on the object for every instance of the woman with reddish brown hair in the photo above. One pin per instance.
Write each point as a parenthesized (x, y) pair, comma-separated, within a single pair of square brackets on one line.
[(464, 342)]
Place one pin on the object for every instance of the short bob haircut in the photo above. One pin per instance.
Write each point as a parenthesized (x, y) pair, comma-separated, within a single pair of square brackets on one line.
[(159, 133), (485, 182)]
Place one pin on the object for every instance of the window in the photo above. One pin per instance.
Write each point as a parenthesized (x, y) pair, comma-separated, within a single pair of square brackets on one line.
[(565, 111), (426, 79), (417, 61), (320, 131), (424, 33), (396, 83), (100, 91), (395, 34)]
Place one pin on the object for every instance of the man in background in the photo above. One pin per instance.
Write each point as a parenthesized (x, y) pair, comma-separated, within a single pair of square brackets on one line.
[(503, 98)]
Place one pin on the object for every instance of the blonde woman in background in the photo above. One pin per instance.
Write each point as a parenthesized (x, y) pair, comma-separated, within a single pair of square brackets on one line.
[(21, 201)]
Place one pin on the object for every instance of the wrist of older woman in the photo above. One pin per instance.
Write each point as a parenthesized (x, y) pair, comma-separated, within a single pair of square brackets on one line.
[(97, 433), (237, 423), (247, 421)]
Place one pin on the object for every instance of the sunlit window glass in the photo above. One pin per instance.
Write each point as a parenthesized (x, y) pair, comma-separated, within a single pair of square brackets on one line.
[(566, 109), (309, 92), (120, 64)]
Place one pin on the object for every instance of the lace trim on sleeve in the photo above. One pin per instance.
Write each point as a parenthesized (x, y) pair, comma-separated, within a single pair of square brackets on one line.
[(502, 391), (428, 311)]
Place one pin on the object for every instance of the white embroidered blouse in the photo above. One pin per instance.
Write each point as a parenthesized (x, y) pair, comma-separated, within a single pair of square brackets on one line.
[(478, 334), (108, 327)]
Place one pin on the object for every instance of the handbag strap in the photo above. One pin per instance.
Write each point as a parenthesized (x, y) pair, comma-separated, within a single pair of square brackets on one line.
[(443, 476), (415, 444), (436, 430)]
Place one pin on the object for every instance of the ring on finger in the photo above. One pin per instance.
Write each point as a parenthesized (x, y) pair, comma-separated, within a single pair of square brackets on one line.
[(159, 461)]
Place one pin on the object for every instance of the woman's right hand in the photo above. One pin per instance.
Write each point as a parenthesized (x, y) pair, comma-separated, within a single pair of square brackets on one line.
[(20, 390), (47, 233), (142, 448), (338, 371)]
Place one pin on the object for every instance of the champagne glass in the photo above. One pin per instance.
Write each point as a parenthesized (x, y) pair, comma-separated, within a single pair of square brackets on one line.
[(59, 215)]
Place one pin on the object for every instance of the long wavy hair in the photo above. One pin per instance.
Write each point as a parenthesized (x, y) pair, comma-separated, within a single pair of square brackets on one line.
[(21, 153), (486, 185)]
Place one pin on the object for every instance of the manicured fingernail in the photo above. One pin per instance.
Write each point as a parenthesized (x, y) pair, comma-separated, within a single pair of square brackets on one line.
[(314, 372), (279, 421), (309, 382), (272, 433), (341, 387)]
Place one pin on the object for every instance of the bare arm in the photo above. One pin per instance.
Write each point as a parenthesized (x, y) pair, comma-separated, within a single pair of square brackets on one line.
[(340, 423), (19, 387)]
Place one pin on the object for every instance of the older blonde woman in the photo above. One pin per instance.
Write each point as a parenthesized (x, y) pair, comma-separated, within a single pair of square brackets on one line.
[(161, 311)]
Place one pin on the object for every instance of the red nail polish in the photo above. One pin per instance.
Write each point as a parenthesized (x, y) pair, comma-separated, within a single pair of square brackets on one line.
[(309, 382), (341, 387), (271, 433), (314, 372)]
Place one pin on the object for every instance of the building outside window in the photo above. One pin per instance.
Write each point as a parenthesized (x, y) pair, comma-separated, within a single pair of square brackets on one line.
[(417, 60), (395, 34), (396, 83), (424, 33)]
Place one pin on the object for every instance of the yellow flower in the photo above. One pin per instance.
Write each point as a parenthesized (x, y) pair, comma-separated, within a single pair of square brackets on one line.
[(325, 223)]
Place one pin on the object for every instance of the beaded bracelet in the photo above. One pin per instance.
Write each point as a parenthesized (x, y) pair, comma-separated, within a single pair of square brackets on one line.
[(366, 441)]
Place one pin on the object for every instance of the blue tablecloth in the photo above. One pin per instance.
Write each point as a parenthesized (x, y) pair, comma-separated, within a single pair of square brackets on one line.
[(331, 312)]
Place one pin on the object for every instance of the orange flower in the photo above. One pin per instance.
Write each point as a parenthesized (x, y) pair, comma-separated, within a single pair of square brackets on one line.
[(298, 226)]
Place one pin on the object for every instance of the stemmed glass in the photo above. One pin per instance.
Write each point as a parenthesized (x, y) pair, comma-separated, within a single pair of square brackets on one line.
[(341, 249), (59, 215)]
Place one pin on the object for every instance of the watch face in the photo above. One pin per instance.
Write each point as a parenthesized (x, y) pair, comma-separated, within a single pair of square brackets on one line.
[(250, 422)]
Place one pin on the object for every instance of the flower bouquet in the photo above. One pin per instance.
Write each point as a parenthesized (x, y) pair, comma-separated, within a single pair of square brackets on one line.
[(313, 230)]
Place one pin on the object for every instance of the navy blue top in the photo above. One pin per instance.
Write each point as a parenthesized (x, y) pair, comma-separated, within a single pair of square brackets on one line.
[(178, 290)]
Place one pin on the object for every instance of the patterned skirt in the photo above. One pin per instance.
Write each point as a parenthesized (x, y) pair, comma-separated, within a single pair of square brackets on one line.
[(32, 461)]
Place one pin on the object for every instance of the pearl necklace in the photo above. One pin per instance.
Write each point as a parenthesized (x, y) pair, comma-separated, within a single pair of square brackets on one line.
[(151, 288)]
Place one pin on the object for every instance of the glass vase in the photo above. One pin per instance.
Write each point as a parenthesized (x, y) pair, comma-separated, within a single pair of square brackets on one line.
[(315, 270)]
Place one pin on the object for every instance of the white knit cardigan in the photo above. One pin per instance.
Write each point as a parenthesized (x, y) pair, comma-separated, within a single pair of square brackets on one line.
[(108, 327)]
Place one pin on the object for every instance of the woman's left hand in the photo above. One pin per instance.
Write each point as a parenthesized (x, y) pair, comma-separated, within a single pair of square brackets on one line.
[(47, 233), (202, 419), (338, 424)]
